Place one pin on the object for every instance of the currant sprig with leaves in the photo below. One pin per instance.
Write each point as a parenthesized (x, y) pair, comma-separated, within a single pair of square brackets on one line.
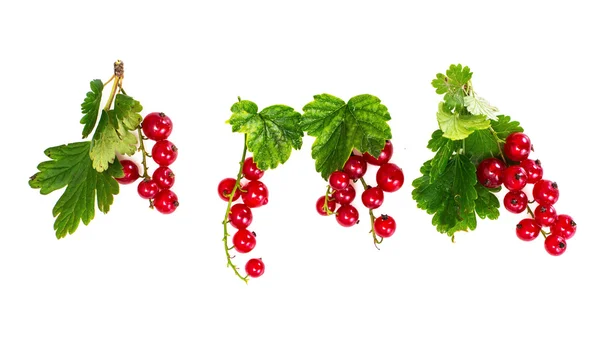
[(88, 168)]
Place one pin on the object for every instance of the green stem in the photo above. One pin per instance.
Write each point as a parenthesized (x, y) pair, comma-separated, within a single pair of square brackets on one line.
[(498, 142), (113, 93), (145, 154), (375, 240), (533, 216), (326, 202)]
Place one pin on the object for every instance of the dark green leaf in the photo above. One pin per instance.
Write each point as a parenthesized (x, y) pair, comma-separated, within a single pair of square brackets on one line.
[(91, 106), (504, 126), (487, 204), (445, 148)]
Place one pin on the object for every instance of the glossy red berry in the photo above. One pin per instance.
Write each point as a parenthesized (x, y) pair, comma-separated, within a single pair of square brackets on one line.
[(164, 177), (240, 216), (345, 196), (372, 198), (514, 178), (384, 226), (255, 194), (517, 146), (489, 172), (515, 201), (534, 170), (244, 241), (389, 177), (331, 204), (355, 167), (255, 268), (564, 226), (346, 215), (339, 180), (555, 245), (545, 215), (147, 189), (165, 202), (164, 153), (528, 229), (545, 192), (226, 187), (250, 170), (157, 126), (384, 157), (131, 172)]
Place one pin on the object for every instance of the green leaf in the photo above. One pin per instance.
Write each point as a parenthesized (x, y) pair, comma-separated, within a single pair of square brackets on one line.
[(445, 148), (339, 128), (482, 144), (505, 126), (108, 141), (487, 204), (127, 111), (453, 85), (271, 133), (71, 166), (91, 106), (479, 106), (456, 126)]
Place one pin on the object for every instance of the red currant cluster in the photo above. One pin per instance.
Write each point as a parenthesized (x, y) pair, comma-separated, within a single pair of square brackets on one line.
[(254, 194), (494, 172), (389, 178), (155, 126)]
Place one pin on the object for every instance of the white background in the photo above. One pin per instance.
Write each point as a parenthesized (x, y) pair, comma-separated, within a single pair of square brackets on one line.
[(138, 285)]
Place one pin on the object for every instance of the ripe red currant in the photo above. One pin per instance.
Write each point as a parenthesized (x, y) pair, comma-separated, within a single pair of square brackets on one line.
[(515, 201), (255, 267), (321, 206), (157, 126), (390, 177), (489, 172), (514, 178), (517, 146), (164, 177), (545, 192), (355, 167), (226, 187), (346, 215), (545, 215), (255, 194), (131, 172), (240, 216), (385, 226), (147, 189), (534, 170), (564, 226), (244, 241), (165, 202), (555, 245), (339, 180), (384, 157), (345, 196), (164, 153), (528, 229), (250, 170), (372, 198)]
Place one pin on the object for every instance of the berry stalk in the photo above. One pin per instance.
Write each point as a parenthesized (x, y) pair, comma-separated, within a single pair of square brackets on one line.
[(375, 241)]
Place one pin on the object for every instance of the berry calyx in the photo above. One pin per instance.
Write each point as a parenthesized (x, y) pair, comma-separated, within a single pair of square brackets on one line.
[(244, 241), (250, 170), (225, 188), (515, 201), (555, 245), (147, 189), (339, 180), (345, 196), (390, 177), (255, 194), (157, 126), (165, 202), (517, 146), (321, 206), (545, 215), (384, 157), (384, 226), (255, 267), (534, 170), (346, 215), (164, 177), (240, 216), (514, 178), (528, 229), (545, 192), (355, 167), (489, 172), (164, 153), (131, 172), (372, 197), (564, 226)]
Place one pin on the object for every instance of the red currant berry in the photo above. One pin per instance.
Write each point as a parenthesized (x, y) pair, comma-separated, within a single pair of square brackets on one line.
[(255, 194), (545, 192), (157, 126), (240, 216), (250, 170), (384, 157), (345, 196), (390, 177), (515, 201), (226, 187), (147, 189), (555, 245), (164, 153), (534, 170), (564, 226), (131, 172), (255, 267), (517, 146), (372, 198), (244, 241), (166, 202), (355, 167), (514, 178), (528, 229), (489, 172), (346, 215), (321, 206), (545, 215), (339, 180), (164, 177), (385, 226)]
